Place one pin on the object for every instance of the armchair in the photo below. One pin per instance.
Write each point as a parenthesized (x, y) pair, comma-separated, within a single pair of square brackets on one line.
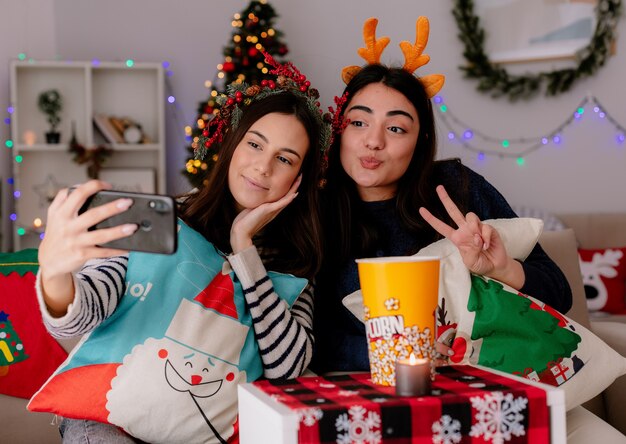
[(561, 246)]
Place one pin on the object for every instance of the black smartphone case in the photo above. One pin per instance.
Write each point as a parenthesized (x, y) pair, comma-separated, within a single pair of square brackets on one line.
[(155, 216)]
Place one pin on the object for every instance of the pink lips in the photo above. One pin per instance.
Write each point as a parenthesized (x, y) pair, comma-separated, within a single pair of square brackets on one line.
[(254, 185), (370, 163)]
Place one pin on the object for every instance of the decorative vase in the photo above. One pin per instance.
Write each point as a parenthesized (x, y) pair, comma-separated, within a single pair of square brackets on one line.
[(53, 137)]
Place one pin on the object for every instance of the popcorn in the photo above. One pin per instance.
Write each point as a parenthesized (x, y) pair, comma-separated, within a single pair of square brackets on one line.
[(383, 353)]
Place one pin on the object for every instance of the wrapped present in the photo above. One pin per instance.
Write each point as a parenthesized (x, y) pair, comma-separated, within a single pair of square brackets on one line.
[(563, 369)]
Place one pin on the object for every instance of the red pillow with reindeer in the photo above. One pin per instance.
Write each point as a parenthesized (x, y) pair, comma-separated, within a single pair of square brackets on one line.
[(604, 276)]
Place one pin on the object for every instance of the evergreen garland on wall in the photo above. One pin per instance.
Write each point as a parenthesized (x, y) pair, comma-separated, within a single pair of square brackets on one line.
[(494, 79)]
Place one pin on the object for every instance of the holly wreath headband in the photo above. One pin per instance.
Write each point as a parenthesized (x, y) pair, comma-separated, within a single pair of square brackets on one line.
[(240, 95)]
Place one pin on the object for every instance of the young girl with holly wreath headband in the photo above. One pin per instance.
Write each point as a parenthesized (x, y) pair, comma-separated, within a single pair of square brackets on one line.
[(258, 212)]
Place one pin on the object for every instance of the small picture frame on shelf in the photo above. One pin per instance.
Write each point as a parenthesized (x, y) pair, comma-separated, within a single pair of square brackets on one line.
[(137, 180)]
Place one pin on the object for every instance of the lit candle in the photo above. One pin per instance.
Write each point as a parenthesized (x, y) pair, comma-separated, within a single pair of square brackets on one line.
[(413, 376)]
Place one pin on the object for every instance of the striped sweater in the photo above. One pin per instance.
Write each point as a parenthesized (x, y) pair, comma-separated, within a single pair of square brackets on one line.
[(285, 336)]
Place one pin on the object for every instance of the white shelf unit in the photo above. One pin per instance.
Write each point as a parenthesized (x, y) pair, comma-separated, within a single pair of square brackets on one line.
[(86, 88)]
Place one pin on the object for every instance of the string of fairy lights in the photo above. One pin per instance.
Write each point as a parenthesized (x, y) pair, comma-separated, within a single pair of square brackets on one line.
[(37, 225), (457, 130), (224, 68), (478, 142)]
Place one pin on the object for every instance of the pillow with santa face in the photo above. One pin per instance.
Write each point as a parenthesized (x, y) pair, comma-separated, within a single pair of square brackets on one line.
[(165, 366), (490, 324)]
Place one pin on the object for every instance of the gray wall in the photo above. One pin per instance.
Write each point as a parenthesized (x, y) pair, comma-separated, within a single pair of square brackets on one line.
[(584, 173)]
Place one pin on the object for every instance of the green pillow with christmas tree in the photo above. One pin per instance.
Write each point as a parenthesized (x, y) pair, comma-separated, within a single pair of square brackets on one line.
[(489, 323), (28, 354)]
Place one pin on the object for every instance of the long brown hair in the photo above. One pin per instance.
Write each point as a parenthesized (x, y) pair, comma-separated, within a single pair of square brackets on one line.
[(348, 232), (294, 236)]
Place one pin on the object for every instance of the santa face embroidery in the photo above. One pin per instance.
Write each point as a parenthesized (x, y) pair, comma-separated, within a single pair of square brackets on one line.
[(196, 374), (187, 381), (177, 386)]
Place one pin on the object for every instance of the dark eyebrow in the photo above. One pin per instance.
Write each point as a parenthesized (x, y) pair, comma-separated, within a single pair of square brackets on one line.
[(368, 110), (289, 150), (260, 135), (362, 108), (399, 112)]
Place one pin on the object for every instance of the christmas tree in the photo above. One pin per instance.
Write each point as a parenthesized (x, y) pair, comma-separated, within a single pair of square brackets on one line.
[(516, 336), (253, 31), (11, 347)]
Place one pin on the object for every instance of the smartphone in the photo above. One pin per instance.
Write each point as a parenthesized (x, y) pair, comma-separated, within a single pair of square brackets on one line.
[(154, 214)]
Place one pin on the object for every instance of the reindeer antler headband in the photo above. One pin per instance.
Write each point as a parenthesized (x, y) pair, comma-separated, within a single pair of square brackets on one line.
[(413, 54)]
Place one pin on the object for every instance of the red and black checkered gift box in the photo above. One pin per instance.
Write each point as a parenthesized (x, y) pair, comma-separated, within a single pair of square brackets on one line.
[(467, 405)]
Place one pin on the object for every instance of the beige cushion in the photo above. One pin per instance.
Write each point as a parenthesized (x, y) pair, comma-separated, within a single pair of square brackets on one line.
[(595, 230), (583, 427), (562, 249)]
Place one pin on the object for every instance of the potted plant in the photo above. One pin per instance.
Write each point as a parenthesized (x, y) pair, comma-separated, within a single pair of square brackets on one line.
[(50, 103)]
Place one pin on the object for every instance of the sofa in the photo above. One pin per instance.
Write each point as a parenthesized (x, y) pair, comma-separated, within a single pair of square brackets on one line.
[(590, 231), (18, 426), (562, 246)]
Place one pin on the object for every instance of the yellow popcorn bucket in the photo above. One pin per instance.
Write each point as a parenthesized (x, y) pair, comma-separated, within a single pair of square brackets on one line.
[(400, 296)]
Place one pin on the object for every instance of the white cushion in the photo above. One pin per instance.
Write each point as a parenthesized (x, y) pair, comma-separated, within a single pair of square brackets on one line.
[(575, 359)]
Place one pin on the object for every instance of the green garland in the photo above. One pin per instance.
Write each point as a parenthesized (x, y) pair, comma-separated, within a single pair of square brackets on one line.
[(497, 81)]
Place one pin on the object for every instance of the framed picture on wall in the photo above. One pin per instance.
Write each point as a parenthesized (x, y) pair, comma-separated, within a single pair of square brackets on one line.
[(137, 180), (536, 30)]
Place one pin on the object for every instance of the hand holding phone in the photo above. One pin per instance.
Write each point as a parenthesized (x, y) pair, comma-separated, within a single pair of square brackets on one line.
[(154, 215), (68, 243)]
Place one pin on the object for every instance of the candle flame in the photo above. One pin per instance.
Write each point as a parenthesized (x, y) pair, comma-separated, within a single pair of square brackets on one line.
[(412, 359)]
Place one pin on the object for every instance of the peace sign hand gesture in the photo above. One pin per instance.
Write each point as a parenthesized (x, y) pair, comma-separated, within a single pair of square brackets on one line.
[(480, 244)]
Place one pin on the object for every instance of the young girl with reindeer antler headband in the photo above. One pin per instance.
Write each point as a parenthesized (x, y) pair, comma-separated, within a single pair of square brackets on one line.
[(386, 196), (172, 336)]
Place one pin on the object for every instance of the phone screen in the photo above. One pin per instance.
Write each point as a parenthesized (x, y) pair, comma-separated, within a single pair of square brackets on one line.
[(155, 216)]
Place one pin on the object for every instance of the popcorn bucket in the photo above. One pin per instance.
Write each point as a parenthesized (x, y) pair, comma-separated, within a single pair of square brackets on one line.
[(400, 296)]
